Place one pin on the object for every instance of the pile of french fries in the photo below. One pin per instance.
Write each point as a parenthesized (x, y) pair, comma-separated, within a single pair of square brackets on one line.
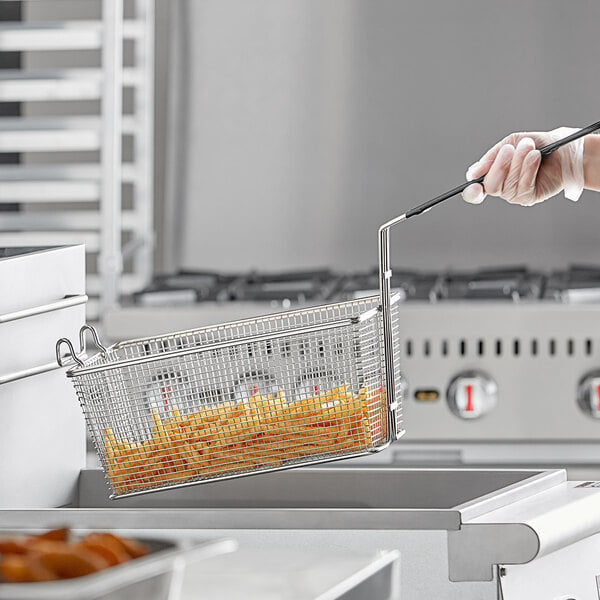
[(53, 555), (228, 438)]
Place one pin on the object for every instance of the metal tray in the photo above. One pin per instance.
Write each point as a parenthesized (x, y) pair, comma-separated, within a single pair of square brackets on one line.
[(156, 576)]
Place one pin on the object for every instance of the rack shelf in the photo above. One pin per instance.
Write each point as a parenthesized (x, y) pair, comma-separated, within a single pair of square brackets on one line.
[(71, 183)]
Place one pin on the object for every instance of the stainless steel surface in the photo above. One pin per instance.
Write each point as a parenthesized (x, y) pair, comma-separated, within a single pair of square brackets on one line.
[(454, 528), (328, 358), (537, 353), (153, 576), (347, 498), (32, 275), (42, 433), (564, 520), (571, 572), (303, 573)]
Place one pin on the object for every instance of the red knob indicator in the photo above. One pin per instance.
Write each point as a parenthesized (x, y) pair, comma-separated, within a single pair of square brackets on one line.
[(469, 390)]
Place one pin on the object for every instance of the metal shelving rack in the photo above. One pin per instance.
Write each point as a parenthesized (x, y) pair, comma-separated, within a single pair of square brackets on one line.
[(85, 173)]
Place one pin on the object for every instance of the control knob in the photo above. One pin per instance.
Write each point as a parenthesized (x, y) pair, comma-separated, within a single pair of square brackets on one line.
[(588, 394), (472, 394)]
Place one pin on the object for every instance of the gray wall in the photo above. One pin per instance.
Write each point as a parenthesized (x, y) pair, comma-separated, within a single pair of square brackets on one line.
[(300, 126)]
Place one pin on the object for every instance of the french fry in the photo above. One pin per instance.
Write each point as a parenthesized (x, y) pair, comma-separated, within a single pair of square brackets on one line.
[(265, 431)]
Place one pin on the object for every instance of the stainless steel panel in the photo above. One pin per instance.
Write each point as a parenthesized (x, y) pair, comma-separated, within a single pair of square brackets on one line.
[(42, 441), (302, 573), (537, 393), (367, 498), (40, 276), (42, 433)]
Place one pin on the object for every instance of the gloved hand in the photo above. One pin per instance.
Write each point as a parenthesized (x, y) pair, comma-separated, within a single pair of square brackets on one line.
[(516, 172)]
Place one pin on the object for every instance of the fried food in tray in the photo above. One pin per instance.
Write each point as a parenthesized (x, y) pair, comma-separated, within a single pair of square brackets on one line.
[(55, 555)]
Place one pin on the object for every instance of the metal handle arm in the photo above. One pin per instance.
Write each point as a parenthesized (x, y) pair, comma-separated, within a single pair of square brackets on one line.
[(385, 288)]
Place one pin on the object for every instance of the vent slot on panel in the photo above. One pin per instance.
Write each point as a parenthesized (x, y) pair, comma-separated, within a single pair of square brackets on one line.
[(480, 347), (498, 347), (534, 347)]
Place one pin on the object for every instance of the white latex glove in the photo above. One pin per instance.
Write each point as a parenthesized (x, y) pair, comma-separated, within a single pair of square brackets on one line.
[(516, 172)]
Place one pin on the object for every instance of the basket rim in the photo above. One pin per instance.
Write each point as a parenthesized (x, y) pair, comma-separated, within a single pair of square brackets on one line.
[(89, 367), (252, 320)]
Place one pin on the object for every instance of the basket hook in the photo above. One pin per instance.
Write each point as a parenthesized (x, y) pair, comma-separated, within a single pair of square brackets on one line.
[(95, 336), (60, 359)]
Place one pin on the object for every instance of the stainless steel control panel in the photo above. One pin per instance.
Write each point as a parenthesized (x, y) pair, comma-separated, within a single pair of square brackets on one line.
[(501, 371)]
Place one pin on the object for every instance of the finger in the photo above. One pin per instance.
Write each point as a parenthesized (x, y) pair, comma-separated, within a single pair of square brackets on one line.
[(482, 166), (511, 183), (474, 194), (527, 178), (494, 180)]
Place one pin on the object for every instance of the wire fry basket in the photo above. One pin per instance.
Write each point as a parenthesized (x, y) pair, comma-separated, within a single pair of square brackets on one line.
[(276, 392)]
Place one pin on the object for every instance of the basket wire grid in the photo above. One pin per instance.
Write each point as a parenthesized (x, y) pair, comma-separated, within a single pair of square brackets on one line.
[(286, 390)]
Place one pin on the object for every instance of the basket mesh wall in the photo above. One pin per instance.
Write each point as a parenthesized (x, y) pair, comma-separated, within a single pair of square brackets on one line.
[(239, 398)]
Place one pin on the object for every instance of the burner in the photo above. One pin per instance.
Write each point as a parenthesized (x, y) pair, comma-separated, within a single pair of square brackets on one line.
[(578, 284), (254, 383), (294, 287), (316, 381), (512, 284), (410, 284), (184, 287), (301, 288)]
